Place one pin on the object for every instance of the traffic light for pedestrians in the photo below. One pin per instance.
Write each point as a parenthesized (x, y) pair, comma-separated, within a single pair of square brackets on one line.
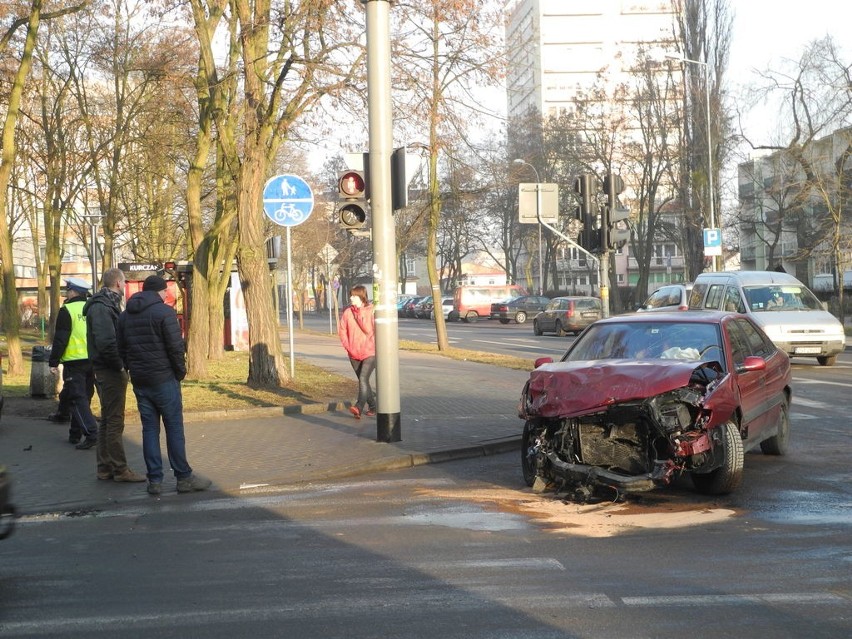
[(352, 199), (615, 231)]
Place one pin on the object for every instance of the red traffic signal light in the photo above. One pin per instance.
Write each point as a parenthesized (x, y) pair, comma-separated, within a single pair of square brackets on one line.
[(351, 184)]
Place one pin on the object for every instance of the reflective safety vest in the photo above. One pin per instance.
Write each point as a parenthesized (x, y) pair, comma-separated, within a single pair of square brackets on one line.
[(76, 348)]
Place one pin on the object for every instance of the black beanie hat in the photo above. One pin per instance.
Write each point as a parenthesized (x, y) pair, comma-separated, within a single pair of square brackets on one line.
[(154, 283)]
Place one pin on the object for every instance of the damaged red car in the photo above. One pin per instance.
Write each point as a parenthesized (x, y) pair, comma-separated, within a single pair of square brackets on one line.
[(637, 401)]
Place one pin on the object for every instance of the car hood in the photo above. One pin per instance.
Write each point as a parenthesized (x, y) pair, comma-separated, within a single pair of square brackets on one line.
[(572, 389)]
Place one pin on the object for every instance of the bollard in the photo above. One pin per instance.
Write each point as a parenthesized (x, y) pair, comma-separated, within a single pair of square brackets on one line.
[(42, 380)]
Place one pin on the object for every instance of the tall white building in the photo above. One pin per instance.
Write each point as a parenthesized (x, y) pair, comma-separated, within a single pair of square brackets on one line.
[(557, 48)]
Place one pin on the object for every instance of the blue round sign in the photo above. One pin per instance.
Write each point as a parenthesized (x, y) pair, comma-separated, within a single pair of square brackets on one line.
[(287, 200)]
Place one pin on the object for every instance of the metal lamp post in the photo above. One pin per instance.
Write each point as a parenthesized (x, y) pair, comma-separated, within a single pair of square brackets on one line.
[(709, 140), (538, 216)]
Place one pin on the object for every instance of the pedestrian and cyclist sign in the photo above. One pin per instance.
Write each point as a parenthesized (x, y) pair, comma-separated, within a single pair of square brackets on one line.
[(287, 200)]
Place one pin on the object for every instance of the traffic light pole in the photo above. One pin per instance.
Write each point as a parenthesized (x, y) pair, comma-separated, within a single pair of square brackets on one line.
[(388, 419)]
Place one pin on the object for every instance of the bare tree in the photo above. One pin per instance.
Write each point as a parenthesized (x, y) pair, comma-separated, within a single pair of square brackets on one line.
[(444, 47)]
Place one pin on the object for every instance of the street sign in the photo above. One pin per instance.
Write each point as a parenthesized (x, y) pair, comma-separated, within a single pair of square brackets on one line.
[(712, 242), (287, 200), (528, 203), (328, 253)]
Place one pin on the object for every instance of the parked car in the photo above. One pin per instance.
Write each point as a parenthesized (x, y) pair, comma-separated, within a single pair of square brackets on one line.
[(639, 399), (564, 315), (671, 297), (409, 306), (518, 308), (446, 307), (400, 304), (423, 308), (780, 304)]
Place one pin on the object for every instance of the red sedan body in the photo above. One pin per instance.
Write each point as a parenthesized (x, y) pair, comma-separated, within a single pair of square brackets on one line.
[(638, 400)]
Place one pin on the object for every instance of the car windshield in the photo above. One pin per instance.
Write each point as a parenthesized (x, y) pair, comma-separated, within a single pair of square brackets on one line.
[(648, 340), (781, 298)]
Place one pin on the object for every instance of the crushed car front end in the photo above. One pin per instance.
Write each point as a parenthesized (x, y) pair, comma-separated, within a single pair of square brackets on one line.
[(629, 426)]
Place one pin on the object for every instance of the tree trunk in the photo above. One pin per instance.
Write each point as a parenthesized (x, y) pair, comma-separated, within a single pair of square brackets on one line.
[(11, 316)]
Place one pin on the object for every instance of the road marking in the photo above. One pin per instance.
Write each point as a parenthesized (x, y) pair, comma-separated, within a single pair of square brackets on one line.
[(821, 382), (803, 598)]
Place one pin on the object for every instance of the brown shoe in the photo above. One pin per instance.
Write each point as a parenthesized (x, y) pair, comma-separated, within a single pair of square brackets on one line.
[(104, 475), (128, 475)]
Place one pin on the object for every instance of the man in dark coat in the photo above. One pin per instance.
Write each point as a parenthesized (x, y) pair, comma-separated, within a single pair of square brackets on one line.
[(152, 349), (102, 311), (69, 349)]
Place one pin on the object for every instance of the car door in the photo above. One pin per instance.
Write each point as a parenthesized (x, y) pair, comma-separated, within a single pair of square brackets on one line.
[(758, 408), (547, 320)]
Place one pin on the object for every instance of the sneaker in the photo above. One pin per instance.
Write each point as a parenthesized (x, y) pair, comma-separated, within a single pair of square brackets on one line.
[(192, 483), (371, 412), (355, 411), (86, 444), (155, 487), (105, 475), (128, 476), (74, 439), (59, 418)]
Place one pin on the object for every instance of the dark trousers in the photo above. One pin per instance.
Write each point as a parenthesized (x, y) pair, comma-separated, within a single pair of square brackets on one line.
[(165, 402), (364, 368), (79, 384), (112, 386)]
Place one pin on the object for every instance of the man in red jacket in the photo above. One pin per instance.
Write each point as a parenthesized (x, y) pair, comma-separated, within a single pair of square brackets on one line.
[(357, 333)]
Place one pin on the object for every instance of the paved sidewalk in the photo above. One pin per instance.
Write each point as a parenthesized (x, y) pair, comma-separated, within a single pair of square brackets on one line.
[(266, 447)]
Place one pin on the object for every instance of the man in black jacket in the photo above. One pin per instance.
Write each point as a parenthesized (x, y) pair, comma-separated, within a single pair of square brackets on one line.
[(151, 347), (102, 311), (69, 349)]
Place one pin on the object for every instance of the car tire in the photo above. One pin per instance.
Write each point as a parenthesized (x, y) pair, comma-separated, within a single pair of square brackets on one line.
[(471, 317), (560, 332), (778, 443), (504, 321), (827, 360), (729, 475), (520, 317), (528, 466), (536, 329)]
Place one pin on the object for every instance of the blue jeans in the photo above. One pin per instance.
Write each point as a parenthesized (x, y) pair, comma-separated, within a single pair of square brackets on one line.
[(155, 402), (364, 369)]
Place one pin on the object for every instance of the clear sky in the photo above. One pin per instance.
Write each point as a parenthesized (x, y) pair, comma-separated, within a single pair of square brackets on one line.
[(767, 31)]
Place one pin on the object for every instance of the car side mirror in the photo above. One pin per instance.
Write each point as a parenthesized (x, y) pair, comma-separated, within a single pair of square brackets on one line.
[(541, 361), (752, 363)]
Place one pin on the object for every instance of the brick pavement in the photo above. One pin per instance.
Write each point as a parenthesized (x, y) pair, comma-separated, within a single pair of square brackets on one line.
[(450, 409)]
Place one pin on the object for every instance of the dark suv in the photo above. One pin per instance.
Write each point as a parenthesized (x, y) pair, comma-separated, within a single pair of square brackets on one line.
[(518, 308), (565, 315)]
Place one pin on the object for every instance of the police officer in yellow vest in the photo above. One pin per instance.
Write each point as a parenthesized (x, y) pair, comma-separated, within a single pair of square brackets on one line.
[(69, 348)]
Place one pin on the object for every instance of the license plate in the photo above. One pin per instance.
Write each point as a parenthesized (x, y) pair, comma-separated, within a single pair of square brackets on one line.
[(808, 349)]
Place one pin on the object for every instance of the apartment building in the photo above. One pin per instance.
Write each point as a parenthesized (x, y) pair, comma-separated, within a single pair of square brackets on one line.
[(560, 49), (782, 213)]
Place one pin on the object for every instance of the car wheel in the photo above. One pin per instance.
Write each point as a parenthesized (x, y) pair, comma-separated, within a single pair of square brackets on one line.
[(536, 328), (729, 475), (777, 444), (561, 332), (528, 456), (520, 317), (471, 317), (826, 360), (504, 321)]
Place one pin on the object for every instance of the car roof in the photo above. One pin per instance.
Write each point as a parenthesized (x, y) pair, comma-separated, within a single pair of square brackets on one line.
[(574, 297), (747, 278), (695, 317)]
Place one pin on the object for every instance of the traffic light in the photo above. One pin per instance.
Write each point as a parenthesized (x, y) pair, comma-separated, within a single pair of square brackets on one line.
[(615, 231), (352, 199), (589, 237)]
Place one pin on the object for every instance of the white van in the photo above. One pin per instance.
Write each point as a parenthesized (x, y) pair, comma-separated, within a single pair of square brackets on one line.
[(787, 311)]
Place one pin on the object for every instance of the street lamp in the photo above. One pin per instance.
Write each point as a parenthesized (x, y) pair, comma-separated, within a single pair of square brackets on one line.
[(519, 161), (673, 56)]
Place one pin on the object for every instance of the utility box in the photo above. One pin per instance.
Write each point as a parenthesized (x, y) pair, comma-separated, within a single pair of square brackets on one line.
[(42, 380)]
